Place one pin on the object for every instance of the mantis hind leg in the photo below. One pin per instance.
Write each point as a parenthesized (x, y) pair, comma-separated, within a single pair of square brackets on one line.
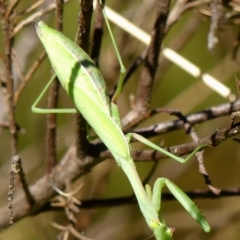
[(157, 148)]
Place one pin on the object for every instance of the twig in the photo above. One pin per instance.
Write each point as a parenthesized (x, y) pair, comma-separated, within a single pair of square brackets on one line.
[(30, 8), (16, 168), (94, 203), (144, 91), (235, 114), (29, 75), (53, 99), (236, 46), (212, 38), (5, 125), (70, 229), (84, 26), (8, 86), (17, 66), (68, 202), (35, 16), (97, 34), (166, 196), (175, 13), (11, 8), (195, 118)]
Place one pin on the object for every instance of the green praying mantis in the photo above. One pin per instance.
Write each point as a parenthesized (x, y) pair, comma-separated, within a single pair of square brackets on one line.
[(86, 87)]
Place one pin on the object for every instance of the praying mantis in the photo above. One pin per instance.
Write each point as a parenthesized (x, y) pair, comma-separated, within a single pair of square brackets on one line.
[(86, 87)]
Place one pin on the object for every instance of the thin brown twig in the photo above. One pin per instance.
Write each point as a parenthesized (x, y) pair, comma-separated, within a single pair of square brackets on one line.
[(5, 125), (12, 7), (9, 85), (175, 13), (195, 118), (236, 44), (8, 89), (68, 202), (97, 33), (17, 66), (193, 4), (29, 75), (7, 26), (76, 234), (180, 8), (212, 36), (17, 168), (69, 229), (53, 99), (84, 24), (83, 36), (30, 8), (143, 95), (34, 17), (166, 196)]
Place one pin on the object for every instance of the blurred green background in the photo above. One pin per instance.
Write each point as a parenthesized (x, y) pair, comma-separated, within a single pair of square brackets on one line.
[(174, 88)]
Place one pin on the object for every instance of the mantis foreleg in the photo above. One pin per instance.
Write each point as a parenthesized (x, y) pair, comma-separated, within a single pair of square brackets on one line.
[(186, 202)]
